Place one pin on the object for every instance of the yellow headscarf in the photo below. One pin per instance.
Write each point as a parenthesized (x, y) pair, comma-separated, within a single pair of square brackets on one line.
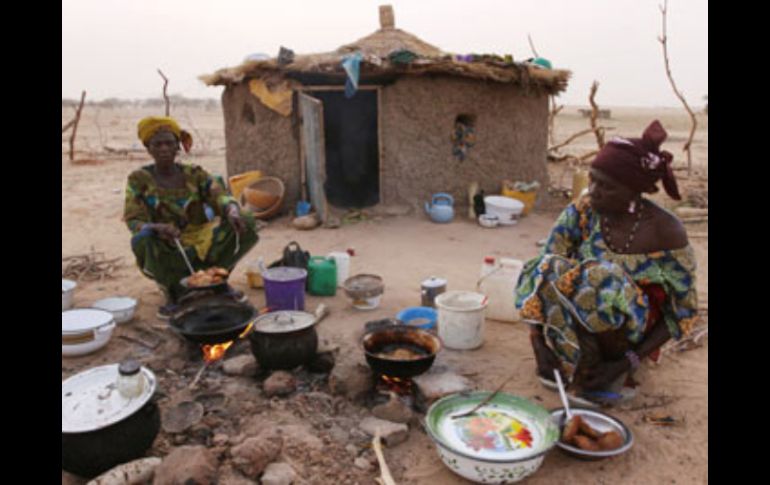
[(147, 127)]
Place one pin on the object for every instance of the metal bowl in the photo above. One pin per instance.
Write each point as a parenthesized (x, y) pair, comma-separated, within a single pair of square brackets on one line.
[(602, 423)]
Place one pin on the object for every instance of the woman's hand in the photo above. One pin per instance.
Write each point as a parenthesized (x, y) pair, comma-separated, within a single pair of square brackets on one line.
[(234, 217), (167, 232), (602, 375)]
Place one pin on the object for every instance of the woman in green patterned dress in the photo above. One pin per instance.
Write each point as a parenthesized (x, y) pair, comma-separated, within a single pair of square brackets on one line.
[(616, 279), (167, 201)]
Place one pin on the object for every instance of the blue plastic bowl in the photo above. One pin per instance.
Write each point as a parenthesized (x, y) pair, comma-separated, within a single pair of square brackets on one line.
[(412, 314)]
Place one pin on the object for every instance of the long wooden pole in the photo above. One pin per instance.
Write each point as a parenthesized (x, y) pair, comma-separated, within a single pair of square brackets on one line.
[(75, 125)]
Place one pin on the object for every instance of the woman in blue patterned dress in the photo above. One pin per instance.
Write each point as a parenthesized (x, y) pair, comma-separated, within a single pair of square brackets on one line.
[(616, 279)]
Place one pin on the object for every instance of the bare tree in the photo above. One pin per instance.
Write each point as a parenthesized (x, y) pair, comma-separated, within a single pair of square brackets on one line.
[(75, 125), (598, 130), (165, 95), (664, 42)]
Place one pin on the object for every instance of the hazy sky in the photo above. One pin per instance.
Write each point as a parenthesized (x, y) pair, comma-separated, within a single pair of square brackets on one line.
[(112, 48)]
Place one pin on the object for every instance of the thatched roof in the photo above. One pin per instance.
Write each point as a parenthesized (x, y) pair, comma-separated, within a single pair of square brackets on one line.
[(376, 49)]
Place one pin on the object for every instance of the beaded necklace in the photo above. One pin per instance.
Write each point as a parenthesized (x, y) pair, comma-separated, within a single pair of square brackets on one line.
[(608, 237)]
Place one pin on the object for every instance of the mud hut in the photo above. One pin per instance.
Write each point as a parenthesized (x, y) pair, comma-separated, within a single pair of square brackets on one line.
[(419, 120)]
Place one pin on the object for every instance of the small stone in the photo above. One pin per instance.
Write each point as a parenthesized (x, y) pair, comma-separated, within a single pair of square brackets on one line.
[(394, 410), (321, 363), (352, 449), (280, 383), (338, 434), (253, 455), (433, 386), (362, 463), (243, 365), (187, 464), (182, 416), (351, 379), (220, 439), (278, 474), (391, 433)]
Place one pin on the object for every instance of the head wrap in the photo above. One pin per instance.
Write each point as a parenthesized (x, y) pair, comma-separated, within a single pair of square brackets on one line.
[(149, 126), (638, 163)]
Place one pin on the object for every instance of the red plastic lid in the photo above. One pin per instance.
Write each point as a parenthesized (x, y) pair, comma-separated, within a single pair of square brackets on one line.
[(489, 260)]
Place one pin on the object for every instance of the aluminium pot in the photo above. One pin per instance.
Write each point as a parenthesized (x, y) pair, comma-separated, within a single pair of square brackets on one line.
[(99, 430), (284, 340)]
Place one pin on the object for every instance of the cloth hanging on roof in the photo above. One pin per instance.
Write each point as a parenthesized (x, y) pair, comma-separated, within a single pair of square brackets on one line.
[(278, 98), (352, 66)]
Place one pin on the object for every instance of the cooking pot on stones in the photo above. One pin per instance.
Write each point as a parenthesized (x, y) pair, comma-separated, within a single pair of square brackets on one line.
[(380, 343), (284, 339), (100, 428)]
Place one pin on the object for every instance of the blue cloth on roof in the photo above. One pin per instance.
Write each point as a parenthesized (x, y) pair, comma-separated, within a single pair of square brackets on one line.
[(352, 66)]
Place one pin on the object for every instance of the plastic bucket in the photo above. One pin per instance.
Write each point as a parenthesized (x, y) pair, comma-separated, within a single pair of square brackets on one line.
[(461, 319), (285, 288)]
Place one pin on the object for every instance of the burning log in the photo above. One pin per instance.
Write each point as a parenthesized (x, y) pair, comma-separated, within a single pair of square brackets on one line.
[(213, 353)]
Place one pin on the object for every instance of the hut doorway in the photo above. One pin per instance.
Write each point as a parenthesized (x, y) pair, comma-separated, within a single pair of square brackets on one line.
[(351, 146)]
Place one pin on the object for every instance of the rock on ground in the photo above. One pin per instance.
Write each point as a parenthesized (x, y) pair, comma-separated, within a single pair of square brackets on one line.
[(391, 433), (243, 365), (187, 465), (351, 379), (433, 386), (394, 410), (253, 455), (280, 383), (278, 474), (362, 463)]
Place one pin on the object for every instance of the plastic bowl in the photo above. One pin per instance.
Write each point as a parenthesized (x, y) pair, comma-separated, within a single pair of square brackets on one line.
[(489, 220), (67, 293), (508, 210), (602, 423), (121, 307), (422, 317)]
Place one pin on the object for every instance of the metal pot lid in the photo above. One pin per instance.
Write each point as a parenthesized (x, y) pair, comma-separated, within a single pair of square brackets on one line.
[(90, 400), (284, 322), (284, 273), (84, 320), (434, 282)]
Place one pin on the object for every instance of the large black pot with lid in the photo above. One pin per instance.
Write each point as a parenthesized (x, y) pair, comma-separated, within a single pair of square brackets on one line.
[(284, 339), (108, 417)]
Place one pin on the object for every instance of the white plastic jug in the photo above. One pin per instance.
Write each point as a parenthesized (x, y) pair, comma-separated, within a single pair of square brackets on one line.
[(343, 266), (498, 281)]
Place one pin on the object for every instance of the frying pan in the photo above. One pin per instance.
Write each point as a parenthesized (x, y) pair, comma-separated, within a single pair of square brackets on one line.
[(384, 338), (213, 323)]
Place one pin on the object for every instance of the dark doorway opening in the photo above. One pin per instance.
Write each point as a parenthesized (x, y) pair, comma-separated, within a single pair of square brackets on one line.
[(352, 148)]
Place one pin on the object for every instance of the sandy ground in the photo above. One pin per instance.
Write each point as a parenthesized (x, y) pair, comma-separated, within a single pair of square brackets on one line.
[(403, 250)]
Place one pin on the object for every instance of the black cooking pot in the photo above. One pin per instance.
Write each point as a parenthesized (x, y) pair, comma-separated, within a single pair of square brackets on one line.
[(215, 322), (384, 340), (284, 340), (94, 452)]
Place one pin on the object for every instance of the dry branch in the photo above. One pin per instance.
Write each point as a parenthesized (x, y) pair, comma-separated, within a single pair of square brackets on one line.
[(165, 95), (89, 267), (67, 126), (664, 42), (598, 131), (532, 46), (75, 125)]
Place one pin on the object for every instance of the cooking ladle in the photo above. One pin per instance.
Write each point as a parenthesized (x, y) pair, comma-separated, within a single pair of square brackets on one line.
[(184, 255)]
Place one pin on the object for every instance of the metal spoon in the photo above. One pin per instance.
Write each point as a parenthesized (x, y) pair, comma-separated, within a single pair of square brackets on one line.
[(563, 395), (184, 255)]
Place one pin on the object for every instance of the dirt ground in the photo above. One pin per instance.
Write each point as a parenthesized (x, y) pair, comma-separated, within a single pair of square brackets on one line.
[(404, 250)]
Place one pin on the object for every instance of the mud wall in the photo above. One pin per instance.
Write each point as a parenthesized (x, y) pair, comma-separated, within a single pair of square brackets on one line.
[(418, 116), (417, 120), (258, 138)]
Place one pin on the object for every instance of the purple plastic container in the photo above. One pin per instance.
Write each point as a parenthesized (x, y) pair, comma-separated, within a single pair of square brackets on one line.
[(285, 288)]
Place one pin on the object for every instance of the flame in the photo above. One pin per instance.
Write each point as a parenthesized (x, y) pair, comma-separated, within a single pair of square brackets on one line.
[(246, 332), (212, 353), (397, 384)]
